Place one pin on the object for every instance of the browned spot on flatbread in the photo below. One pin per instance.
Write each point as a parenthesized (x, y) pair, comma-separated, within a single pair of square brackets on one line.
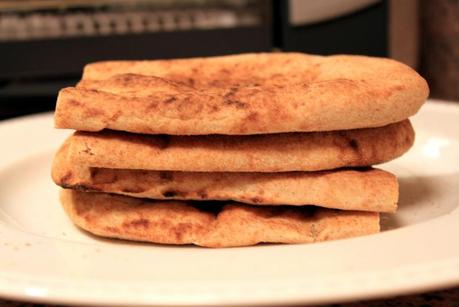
[(181, 229), (112, 229), (102, 176), (409, 138), (252, 117), (152, 106), (342, 144), (88, 218), (116, 115), (74, 103), (189, 106), (88, 150), (173, 193), (230, 99), (66, 177), (190, 81), (256, 200), (170, 100), (214, 83), (94, 112), (202, 194), (166, 176), (93, 172), (126, 79), (236, 103), (136, 189), (353, 144), (141, 222)]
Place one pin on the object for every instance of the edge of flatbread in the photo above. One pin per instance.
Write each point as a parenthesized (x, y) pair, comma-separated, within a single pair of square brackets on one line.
[(365, 189), (311, 151), (242, 94), (234, 224)]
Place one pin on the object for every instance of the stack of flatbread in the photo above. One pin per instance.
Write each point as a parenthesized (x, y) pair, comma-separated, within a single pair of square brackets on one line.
[(235, 150)]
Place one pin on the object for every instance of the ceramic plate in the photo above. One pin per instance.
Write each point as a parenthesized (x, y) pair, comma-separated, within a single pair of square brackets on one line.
[(44, 258)]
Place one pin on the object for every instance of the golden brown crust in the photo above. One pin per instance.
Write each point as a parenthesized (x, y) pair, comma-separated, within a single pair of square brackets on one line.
[(253, 153), (243, 94), (346, 189), (233, 225)]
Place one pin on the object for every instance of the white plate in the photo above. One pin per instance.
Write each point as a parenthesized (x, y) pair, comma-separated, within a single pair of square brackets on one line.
[(43, 257)]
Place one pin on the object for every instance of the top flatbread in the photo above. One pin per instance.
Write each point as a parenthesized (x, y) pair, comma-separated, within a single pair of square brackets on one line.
[(242, 94)]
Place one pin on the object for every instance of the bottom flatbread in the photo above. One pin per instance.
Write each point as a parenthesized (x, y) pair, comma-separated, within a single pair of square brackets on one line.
[(211, 225)]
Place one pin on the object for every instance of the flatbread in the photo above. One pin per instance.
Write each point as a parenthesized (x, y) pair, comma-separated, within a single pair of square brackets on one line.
[(253, 153), (174, 222), (242, 94), (362, 189)]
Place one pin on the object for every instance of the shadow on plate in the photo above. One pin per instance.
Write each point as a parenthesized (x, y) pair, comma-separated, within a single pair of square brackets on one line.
[(423, 198)]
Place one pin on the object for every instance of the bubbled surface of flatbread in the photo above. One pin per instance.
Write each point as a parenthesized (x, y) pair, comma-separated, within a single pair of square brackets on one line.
[(242, 94)]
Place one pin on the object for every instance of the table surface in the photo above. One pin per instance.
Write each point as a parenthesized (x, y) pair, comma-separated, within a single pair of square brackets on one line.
[(449, 297)]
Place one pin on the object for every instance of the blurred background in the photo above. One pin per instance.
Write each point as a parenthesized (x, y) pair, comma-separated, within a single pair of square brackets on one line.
[(44, 44)]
